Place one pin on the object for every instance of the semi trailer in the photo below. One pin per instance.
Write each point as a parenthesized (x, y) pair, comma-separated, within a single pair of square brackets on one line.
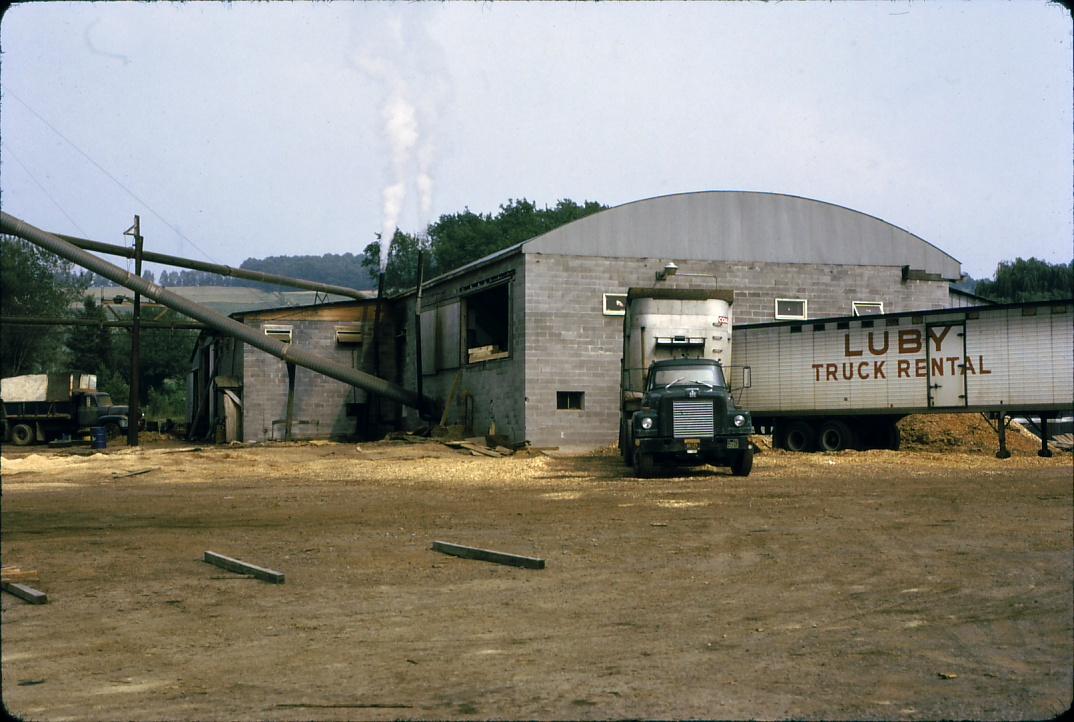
[(843, 383), (676, 406), (43, 407)]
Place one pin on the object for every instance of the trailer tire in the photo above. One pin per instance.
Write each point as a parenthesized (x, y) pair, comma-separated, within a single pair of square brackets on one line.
[(22, 434), (742, 464), (836, 435), (799, 437), (644, 464)]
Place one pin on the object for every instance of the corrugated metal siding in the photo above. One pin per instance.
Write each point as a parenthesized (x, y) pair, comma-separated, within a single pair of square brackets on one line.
[(1010, 359), (744, 226)]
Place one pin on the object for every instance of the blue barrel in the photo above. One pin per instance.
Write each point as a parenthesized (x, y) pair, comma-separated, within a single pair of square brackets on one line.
[(99, 437)]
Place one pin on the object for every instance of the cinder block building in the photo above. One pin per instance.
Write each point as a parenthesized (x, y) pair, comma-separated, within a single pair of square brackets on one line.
[(531, 336)]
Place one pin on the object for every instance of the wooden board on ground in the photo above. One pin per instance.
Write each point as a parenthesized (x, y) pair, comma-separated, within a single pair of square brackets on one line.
[(25, 593), (15, 574), (241, 567), (487, 555)]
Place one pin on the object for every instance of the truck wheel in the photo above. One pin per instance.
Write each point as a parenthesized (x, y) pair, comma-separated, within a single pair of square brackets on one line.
[(112, 430), (742, 464), (645, 464), (835, 435), (799, 437), (22, 434)]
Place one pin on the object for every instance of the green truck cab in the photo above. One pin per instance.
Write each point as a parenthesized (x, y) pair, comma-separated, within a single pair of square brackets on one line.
[(687, 417)]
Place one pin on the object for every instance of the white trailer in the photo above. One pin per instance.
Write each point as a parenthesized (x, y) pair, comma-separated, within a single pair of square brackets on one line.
[(836, 383)]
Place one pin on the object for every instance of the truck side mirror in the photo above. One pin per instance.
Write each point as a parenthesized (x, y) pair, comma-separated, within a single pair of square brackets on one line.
[(747, 377)]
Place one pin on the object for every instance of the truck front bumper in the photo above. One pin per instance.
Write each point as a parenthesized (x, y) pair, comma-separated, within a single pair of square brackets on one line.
[(698, 451)]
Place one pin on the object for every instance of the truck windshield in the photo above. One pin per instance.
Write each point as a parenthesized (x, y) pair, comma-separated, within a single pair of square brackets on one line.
[(707, 375)]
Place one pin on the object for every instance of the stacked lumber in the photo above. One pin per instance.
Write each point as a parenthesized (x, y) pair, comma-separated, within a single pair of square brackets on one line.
[(484, 353), (11, 573)]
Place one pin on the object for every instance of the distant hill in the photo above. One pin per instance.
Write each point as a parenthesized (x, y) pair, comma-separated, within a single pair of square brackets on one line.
[(337, 269)]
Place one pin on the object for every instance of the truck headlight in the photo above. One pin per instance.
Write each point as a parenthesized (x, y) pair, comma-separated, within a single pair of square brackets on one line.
[(739, 420), (647, 422)]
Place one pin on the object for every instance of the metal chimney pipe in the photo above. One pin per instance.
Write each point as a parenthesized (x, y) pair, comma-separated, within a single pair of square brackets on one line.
[(287, 352)]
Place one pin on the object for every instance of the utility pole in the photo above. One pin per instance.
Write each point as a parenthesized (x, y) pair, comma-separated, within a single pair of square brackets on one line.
[(135, 413)]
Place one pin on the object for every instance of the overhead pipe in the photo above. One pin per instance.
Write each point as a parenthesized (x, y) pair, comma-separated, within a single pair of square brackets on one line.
[(217, 268), (287, 352), (98, 323)]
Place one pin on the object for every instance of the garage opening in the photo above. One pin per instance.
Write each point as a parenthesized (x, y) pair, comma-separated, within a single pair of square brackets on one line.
[(488, 324)]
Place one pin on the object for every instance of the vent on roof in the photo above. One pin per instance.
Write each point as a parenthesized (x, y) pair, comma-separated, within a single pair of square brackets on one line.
[(349, 333), (278, 331)]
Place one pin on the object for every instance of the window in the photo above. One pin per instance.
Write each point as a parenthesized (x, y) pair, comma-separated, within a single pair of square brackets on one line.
[(868, 308), (791, 308), (488, 315), (570, 400), (278, 331), (615, 304)]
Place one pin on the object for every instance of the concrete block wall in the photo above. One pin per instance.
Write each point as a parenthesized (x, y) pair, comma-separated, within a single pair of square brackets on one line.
[(319, 400), (570, 345), (497, 388)]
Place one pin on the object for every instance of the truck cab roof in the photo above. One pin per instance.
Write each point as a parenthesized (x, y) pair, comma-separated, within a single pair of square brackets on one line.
[(687, 362)]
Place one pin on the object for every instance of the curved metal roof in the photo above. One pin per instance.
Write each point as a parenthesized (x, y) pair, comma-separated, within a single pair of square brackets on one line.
[(744, 226)]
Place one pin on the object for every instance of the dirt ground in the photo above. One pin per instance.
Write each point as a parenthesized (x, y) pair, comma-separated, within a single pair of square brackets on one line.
[(919, 584)]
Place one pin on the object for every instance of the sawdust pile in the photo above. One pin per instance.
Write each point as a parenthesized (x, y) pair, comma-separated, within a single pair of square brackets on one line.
[(961, 432)]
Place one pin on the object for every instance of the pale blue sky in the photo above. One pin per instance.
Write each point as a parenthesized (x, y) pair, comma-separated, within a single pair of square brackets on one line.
[(287, 128)]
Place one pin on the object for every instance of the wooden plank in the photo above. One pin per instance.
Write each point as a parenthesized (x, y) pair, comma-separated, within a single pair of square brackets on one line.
[(241, 567), (117, 475), (487, 555), (25, 593), (484, 451), (19, 575), (450, 398)]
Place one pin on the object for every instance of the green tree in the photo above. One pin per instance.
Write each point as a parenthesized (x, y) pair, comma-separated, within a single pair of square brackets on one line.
[(456, 239), (459, 238), (1028, 280), (90, 347), (402, 268), (33, 282), (165, 356)]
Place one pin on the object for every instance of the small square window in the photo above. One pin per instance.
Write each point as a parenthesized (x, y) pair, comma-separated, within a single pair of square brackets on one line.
[(791, 308), (868, 308), (615, 304), (570, 400)]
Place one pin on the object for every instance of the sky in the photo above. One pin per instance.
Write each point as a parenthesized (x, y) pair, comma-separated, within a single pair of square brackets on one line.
[(238, 130)]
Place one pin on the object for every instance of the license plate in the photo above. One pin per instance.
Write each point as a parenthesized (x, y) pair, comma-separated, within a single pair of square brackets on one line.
[(692, 445), (732, 443)]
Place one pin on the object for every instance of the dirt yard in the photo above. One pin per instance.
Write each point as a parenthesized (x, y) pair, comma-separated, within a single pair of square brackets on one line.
[(859, 585)]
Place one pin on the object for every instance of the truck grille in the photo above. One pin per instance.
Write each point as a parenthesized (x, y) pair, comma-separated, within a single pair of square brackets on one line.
[(692, 419)]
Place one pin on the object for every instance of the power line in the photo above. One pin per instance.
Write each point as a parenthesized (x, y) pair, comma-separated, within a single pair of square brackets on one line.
[(115, 180), (43, 189)]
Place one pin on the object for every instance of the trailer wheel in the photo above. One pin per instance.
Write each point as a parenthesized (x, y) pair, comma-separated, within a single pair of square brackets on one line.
[(22, 434), (645, 465), (835, 435), (742, 464), (799, 437)]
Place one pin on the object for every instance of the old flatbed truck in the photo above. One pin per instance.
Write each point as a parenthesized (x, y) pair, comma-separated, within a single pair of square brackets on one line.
[(43, 407)]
